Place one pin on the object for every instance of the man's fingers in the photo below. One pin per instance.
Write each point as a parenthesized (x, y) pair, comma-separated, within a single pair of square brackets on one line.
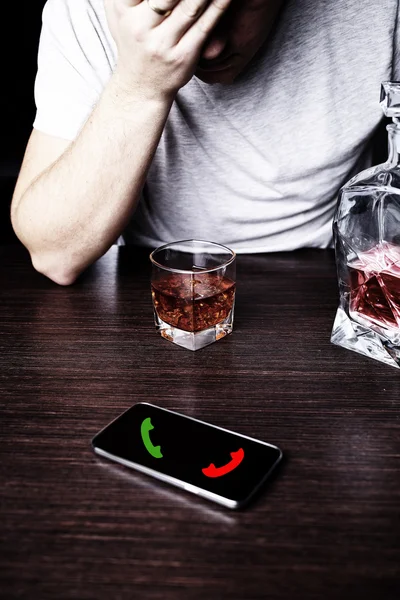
[(120, 5), (190, 10), (126, 3), (185, 15), (153, 12), (201, 28), (161, 51)]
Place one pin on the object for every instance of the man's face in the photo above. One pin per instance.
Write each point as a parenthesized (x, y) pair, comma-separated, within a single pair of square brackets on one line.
[(236, 39)]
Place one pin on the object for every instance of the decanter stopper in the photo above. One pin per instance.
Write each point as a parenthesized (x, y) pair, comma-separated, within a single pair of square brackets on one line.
[(390, 99)]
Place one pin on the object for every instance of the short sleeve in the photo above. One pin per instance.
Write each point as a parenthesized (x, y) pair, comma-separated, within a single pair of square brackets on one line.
[(76, 58)]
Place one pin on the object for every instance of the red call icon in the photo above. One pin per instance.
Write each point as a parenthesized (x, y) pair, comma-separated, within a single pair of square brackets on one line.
[(213, 471)]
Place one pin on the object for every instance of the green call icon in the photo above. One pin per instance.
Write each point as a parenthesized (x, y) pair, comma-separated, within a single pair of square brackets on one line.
[(145, 427)]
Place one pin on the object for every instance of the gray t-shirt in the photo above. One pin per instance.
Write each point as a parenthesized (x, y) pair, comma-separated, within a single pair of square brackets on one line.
[(256, 165)]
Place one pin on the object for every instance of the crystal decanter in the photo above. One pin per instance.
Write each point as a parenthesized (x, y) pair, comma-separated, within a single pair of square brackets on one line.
[(366, 231)]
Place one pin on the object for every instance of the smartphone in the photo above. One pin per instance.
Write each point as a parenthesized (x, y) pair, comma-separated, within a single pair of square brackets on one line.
[(217, 464)]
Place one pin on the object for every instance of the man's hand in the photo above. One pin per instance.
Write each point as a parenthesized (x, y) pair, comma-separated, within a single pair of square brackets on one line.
[(157, 55)]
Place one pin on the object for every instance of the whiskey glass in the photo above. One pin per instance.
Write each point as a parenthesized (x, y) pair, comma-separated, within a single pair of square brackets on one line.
[(193, 287)]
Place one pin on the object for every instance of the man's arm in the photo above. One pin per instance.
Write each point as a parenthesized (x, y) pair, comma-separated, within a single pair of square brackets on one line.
[(73, 199), (70, 210)]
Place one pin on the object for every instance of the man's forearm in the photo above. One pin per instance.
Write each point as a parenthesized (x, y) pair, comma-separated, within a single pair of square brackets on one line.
[(76, 209)]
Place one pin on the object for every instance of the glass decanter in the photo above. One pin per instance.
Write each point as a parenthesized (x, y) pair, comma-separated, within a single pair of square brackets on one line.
[(366, 229)]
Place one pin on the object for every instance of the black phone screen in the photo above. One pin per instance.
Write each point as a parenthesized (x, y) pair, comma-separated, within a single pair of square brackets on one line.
[(221, 462)]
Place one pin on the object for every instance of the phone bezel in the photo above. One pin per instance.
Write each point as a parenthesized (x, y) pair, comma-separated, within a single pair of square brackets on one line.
[(198, 491)]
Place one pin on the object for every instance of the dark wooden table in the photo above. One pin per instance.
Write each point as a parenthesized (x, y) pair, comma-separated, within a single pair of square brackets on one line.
[(76, 526)]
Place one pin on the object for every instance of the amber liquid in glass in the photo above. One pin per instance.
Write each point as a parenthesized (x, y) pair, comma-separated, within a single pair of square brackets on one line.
[(375, 286), (193, 302)]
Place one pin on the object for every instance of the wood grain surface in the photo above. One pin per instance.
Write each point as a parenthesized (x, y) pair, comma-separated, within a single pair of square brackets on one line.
[(75, 526)]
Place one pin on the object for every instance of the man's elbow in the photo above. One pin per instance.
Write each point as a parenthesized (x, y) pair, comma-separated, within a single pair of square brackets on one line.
[(57, 269), (46, 263)]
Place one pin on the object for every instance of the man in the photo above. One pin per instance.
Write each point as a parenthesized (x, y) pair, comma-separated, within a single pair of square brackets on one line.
[(249, 152)]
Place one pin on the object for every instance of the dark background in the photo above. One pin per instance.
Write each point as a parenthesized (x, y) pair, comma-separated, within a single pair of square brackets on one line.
[(24, 21), (19, 108)]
